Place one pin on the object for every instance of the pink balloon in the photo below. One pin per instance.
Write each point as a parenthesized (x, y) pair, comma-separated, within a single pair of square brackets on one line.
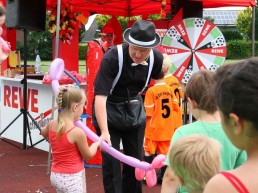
[(4, 48), (139, 173), (141, 167), (158, 161), (56, 70), (151, 177), (112, 151), (55, 86)]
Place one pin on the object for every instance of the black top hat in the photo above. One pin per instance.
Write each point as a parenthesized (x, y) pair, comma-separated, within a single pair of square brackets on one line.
[(142, 34)]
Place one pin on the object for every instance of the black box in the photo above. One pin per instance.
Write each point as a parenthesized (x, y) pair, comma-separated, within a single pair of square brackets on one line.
[(26, 14)]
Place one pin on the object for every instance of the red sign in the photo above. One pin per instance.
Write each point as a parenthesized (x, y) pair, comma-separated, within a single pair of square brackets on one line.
[(13, 97)]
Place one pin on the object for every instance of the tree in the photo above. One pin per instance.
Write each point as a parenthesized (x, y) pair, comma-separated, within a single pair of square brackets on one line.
[(209, 18), (244, 23), (39, 43), (103, 19)]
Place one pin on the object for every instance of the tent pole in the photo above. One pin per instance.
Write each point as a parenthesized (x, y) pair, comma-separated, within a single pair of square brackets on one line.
[(253, 31), (57, 27), (56, 56)]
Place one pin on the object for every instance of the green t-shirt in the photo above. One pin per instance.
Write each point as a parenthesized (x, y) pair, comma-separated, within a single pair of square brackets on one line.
[(230, 155)]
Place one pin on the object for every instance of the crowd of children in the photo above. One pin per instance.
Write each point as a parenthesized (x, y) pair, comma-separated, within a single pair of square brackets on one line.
[(208, 155), (199, 92), (216, 153)]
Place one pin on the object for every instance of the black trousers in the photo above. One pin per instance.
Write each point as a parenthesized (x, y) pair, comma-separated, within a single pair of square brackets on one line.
[(119, 177)]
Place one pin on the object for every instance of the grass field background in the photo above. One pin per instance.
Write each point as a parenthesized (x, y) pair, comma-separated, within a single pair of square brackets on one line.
[(45, 66), (82, 66)]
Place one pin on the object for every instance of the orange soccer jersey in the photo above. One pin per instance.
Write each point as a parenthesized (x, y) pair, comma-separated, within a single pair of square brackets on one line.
[(160, 103), (174, 83)]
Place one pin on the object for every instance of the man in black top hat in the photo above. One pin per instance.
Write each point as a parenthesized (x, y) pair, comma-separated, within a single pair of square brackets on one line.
[(118, 112)]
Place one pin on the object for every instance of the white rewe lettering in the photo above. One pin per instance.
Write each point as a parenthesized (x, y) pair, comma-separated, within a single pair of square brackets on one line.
[(181, 29), (217, 51), (206, 30)]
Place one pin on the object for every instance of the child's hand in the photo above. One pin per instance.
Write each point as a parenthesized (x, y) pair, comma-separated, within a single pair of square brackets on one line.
[(106, 137), (41, 123), (98, 143), (95, 146)]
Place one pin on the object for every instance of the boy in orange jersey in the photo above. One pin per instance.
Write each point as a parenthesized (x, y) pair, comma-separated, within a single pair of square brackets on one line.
[(160, 104), (174, 83)]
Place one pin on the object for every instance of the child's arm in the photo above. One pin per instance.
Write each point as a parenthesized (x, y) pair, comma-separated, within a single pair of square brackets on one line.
[(94, 147), (44, 131), (82, 144)]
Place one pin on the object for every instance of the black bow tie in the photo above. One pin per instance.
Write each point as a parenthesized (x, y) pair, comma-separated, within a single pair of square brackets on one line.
[(144, 63)]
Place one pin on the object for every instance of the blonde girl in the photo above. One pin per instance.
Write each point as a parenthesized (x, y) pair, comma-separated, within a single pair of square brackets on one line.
[(68, 142)]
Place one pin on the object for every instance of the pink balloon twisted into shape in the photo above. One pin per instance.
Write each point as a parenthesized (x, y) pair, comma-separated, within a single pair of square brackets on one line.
[(4, 48), (141, 168)]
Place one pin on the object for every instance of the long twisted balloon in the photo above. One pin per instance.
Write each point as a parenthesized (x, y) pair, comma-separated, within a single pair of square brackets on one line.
[(141, 168)]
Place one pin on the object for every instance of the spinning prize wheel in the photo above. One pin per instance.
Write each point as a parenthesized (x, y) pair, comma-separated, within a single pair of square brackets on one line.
[(193, 44)]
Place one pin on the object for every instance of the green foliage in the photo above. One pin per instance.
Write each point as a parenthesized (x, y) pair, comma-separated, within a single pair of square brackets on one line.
[(82, 51), (44, 47), (40, 43), (155, 17), (209, 18), (231, 35), (103, 19), (244, 23), (240, 49), (81, 33)]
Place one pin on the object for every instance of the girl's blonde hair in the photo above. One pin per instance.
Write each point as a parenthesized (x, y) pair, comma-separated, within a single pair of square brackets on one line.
[(195, 159), (67, 95)]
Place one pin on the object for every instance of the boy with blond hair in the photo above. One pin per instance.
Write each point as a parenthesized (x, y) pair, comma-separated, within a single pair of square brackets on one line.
[(195, 159), (161, 105), (173, 82), (199, 92)]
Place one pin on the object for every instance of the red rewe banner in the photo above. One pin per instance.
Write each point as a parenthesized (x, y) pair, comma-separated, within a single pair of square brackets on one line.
[(13, 97)]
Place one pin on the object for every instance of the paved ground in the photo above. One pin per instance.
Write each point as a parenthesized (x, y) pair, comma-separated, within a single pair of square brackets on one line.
[(25, 171)]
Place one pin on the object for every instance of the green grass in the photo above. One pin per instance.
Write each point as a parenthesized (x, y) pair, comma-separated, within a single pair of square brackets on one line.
[(82, 68), (230, 61), (45, 66)]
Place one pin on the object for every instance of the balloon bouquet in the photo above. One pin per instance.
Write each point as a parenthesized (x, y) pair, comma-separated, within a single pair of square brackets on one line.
[(141, 168)]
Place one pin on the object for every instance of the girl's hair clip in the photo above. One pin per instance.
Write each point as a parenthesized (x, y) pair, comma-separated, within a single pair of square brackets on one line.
[(66, 88), (59, 110)]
